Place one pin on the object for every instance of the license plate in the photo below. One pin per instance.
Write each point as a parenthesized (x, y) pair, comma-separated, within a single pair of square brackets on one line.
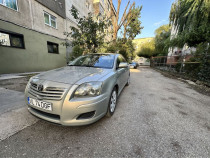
[(40, 104)]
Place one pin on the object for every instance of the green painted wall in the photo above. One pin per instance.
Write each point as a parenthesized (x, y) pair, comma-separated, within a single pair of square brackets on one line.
[(34, 57)]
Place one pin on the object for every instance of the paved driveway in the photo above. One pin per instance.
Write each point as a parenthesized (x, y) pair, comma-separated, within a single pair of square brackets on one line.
[(156, 117)]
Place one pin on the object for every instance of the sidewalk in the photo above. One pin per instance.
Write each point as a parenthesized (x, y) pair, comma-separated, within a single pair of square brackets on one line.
[(16, 75), (14, 115)]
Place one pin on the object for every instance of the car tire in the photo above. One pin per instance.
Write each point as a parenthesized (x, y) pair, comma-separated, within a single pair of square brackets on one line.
[(129, 81), (112, 103)]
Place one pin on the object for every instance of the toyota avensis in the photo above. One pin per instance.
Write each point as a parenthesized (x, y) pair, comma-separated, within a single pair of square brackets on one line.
[(80, 93)]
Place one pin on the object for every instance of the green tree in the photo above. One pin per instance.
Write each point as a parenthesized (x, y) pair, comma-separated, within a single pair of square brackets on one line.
[(162, 39), (76, 52), (89, 33), (192, 17), (148, 49), (162, 29), (124, 47), (132, 25)]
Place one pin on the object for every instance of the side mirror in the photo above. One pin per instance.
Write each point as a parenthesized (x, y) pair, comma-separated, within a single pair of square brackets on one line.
[(123, 65), (69, 62)]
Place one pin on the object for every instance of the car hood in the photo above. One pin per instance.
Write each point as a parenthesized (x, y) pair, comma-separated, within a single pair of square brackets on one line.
[(74, 75)]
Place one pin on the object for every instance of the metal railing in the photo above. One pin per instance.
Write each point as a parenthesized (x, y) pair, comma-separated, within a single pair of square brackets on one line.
[(183, 64)]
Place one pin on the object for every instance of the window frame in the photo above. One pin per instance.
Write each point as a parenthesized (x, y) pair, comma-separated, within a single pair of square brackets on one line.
[(108, 7), (50, 24), (4, 4), (101, 8), (14, 34), (52, 43)]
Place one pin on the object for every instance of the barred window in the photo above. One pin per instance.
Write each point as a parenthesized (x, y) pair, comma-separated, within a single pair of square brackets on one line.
[(10, 39)]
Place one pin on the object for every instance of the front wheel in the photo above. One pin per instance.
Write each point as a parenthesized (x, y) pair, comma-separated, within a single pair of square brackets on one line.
[(112, 103)]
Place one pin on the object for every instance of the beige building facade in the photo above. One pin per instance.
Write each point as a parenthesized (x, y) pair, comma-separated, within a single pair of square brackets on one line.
[(30, 36), (104, 7), (32, 32)]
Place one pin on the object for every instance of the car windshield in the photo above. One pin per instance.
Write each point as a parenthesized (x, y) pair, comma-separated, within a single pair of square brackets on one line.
[(94, 60)]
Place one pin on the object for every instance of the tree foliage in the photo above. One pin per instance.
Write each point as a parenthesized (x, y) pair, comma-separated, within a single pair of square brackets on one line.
[(88, 34), (124, 47), (159, 45), (162, 39), (76, 52), (148, 49), (132, 25), (192, 17)]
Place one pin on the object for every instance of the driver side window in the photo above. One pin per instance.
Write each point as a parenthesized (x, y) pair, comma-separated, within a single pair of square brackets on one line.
[(120, 59), (118, 62)]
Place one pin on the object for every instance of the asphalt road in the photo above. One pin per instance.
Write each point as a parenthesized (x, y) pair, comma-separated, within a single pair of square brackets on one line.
[(155, 117)]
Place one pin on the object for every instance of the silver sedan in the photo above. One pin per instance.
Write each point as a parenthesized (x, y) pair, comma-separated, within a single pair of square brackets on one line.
[(80, 93)]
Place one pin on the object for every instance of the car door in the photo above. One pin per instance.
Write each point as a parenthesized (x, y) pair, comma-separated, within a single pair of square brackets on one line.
[(126, 72), (121, 72)]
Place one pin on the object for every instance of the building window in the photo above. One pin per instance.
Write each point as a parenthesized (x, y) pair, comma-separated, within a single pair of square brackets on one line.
[(52, 47), (11, 39), (108, 6), (87, 5), (50, 20), (9, 3), (101, 9)]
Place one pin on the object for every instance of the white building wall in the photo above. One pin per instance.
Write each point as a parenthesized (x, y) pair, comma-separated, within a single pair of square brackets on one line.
[(38, 22), (175, 51), (81, 6)]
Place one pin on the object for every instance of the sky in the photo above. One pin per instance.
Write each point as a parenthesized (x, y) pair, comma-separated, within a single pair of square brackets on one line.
[(154, 14)]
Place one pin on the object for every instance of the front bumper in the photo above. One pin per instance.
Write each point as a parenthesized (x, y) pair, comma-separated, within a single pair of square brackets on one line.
[(66, 112)]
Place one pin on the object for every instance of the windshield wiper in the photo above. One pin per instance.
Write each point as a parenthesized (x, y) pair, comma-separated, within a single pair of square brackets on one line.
[(87, 65), (82, 65)]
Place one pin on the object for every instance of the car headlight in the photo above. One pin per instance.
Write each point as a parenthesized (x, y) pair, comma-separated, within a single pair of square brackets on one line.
[(88, 89), (29, 82)]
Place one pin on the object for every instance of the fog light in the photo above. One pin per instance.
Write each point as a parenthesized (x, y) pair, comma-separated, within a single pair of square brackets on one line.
[(87, 115)]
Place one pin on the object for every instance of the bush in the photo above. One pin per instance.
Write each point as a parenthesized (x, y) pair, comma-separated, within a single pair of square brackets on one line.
[(76, 52), (123, 47), (201, 69)]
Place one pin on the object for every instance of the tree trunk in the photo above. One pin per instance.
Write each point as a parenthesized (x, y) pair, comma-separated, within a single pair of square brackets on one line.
[(115, 24)]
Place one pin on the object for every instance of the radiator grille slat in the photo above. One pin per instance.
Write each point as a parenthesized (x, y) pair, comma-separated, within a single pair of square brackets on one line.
[(50, 93)]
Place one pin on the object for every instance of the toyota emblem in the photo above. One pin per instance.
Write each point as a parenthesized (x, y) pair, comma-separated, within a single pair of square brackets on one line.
[(40, 87)]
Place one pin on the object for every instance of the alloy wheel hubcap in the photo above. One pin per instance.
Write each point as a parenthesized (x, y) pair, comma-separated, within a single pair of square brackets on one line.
[(113, 101)]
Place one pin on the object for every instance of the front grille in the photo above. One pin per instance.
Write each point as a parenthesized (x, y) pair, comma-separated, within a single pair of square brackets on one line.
[(34, 85), (49, 93)]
